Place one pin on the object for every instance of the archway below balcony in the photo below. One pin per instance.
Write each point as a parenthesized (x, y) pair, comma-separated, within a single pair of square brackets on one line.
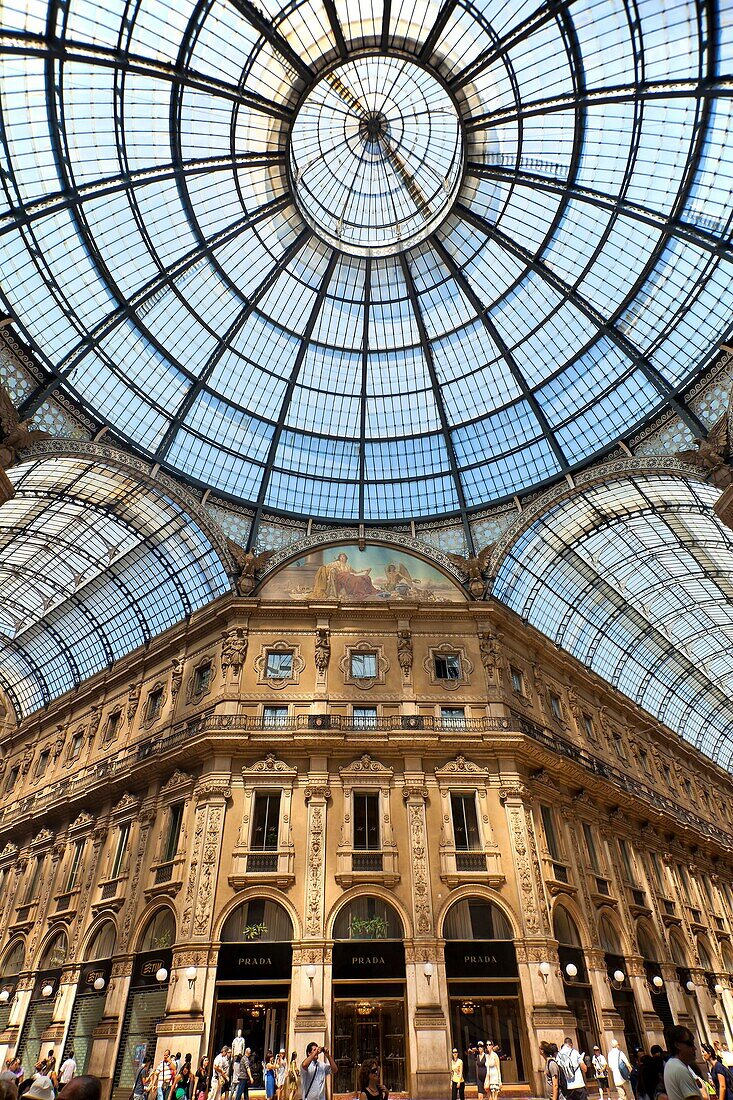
[(574, 973)]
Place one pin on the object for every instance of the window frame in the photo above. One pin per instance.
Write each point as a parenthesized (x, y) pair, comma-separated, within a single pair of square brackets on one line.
[(371, 798), (364, 655), (266, 796), (516, 677), (466, 797)]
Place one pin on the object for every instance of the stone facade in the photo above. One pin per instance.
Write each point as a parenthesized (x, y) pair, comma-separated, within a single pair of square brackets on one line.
[(156, 819)]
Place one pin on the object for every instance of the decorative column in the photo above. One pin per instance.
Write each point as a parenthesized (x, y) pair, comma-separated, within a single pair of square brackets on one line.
[(675, 996), (544, 1000), (609, 1021), (652, 1025), (427, 995), (191, 1000), (107, 1033), (309, 1022)]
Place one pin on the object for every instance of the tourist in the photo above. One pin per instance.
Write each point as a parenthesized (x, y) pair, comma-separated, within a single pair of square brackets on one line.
[(202, 1079), (67, 1070), (220, 1076), (724, 1054), (245, 1076), (651, 1078), (572, 1063), (679, 1083), (620, 1067), (479, 1054), (142, 1078), (720, 1075), (554, 1073), (370, 1085), (600, 1069), (457, 1079), (313, 1072), (166, 1071), (40, 1088), (281, 1069), (292, 1079), (493, 1067), (8, 1087), (269, 1068)]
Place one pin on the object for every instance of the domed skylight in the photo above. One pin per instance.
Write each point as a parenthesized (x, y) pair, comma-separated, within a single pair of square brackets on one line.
[(367, 260)]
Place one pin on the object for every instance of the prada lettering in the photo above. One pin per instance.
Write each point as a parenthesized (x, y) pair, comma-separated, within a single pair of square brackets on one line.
[(258, 960), (367, 960), (480, 960)]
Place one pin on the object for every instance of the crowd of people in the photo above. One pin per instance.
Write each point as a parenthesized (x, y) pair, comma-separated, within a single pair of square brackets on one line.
[(46, 1081)]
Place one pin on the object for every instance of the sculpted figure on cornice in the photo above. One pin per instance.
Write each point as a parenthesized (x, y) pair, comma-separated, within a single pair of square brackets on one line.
[(714, 454), (472, 570), (248, 565), (233, 650), (16, 435)]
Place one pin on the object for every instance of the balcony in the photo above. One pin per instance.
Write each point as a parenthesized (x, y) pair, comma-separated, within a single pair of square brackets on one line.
[(66, 904), (638, 903), (459, 866), (262, 863), (669, 912), (167, 877), (275, 867), (470, 861), (367, 861), (111, 894), (355, 865)]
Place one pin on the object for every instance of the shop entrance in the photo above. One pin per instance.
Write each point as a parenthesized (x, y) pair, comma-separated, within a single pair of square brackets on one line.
[(263, 1023), (369, 1029), (493, 1019)]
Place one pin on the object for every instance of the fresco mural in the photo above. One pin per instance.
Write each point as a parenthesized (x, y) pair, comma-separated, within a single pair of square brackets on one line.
[(352, 575)]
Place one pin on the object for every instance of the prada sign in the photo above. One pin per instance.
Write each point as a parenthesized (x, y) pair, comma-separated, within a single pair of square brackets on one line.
[(480, 959), (376, 959), (254, 962)]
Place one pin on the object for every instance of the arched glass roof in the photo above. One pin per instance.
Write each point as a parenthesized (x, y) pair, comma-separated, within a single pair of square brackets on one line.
[(367, 261), (634, 577), (93, 563)]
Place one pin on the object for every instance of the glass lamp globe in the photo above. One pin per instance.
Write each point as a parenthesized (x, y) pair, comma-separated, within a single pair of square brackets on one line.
[(161, 975), (618, 976)]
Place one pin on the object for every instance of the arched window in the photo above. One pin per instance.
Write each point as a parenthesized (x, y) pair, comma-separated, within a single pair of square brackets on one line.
[(565, 928), (704, 956), (160, 931), (677, 951), (727, 958), (609, 937), (258, 919), (368, 918), (14, 960), (103, 943), (476, 919), (647, 946), (55, 953)]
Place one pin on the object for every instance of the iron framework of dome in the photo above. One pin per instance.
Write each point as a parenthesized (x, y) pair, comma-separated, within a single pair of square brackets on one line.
[(367, 262)]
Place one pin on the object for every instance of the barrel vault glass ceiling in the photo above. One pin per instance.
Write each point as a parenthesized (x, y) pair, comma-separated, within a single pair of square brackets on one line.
[(367, 259)]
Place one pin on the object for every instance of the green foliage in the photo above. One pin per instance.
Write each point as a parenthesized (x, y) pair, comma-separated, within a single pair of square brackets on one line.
[(253, 931), (372, 928)]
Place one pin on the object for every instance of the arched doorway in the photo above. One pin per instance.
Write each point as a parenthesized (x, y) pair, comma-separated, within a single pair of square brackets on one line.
[(650, 952), (483, 984), (89, 1002), (146, 1000), (10, 968), (621, 991), (578, 993), (40, 1010), (253, 978), (369, 992)]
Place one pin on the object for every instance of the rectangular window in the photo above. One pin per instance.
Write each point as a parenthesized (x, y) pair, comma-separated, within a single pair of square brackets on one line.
[(627, 861), (555, 706), (667, 775), (517, 681), (656, 872), (154, 705), (453, 717), (72, 879), (76, 745), (618, 746), (42, 764), (34, 882), (590, 845), (123, 836), (266, 822), (548, 824), (12, 779), (114, 722), (363, 666), (688, 787), (273, 717), (365, 717), (366, 821), (447, 666), (202, 678), (644, 760), (174, 832), (279, 666), (588, 727), (465, 822)]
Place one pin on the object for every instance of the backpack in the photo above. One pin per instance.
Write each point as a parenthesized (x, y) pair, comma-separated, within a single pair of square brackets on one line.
[(562, 1080)]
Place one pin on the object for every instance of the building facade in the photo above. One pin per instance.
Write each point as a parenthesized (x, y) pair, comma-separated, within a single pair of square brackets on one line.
[(357, 806)]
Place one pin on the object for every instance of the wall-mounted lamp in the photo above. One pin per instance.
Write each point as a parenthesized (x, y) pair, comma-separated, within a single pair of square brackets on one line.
[(191, 973), (690, 986), (619, 976), (571, 970), (47, 990), (310, 973), (657, 981), (161, 975), (428, 971), (99, 983), (4, 996), (545, 970), (717, 988)]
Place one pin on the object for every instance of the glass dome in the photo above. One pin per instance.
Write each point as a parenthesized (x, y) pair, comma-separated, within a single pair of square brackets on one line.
[(367, 261)]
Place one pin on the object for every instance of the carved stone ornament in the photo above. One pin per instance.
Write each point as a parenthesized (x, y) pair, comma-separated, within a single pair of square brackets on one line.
[(404, 652), (176, 678), (233, 650), (271, 765), (133, 700), (209, 789), (461, 767), (296, 667), (415, 793), (42, 837), (323, 649), (365, 766), (491, 653), (364, 682), (315, 868), (177, 780), (317, 793), (95, 717), (465, 667), (518, 792), (81, 821), (128, 802), (10, 849)]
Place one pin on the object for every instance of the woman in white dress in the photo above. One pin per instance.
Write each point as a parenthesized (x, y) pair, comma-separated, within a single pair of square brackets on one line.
[(493, 1071)]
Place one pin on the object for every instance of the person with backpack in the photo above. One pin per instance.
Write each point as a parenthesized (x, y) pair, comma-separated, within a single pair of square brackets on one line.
[(721, 1076), (572, 1062), (555, 1078), (620, 1067)]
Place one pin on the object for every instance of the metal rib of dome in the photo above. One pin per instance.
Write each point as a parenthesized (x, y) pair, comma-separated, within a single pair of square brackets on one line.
[(367, 263)]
